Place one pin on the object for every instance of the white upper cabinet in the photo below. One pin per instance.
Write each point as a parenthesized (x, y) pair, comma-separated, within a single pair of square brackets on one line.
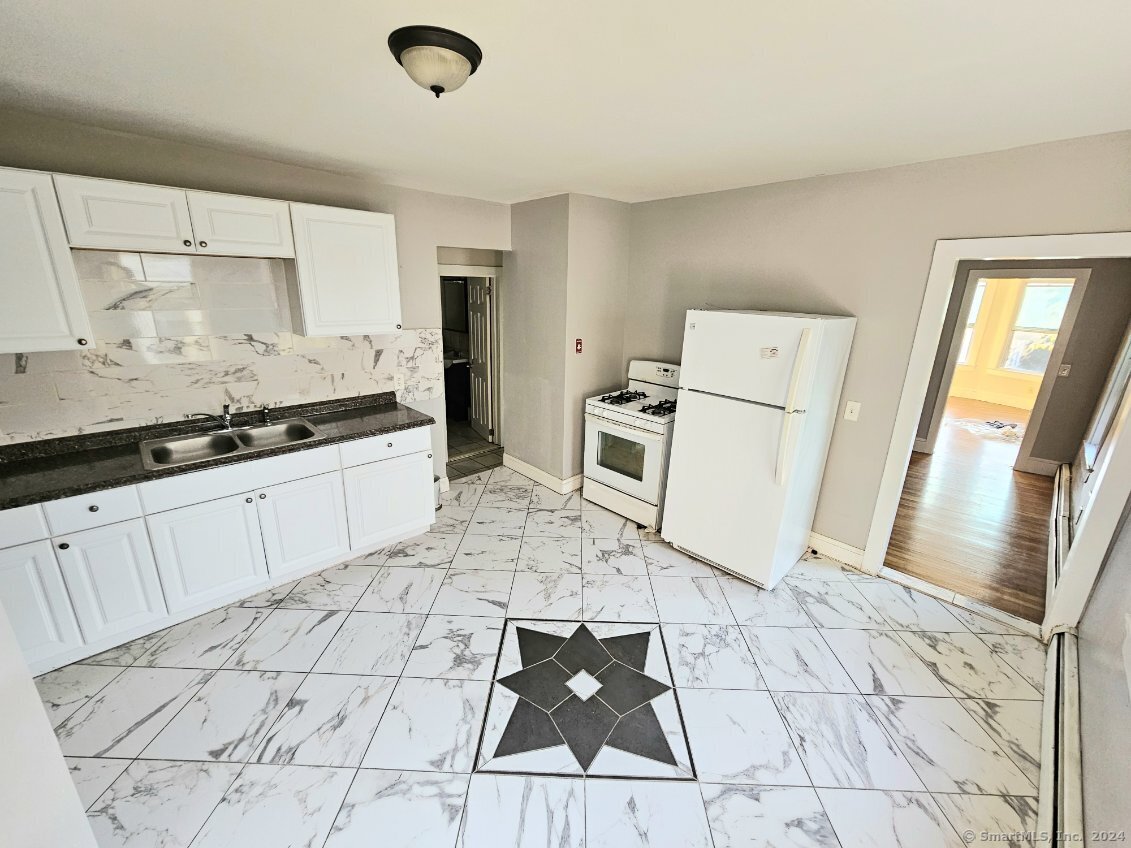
[(125, 216), (347, 277), (43, 307), (231, 225)]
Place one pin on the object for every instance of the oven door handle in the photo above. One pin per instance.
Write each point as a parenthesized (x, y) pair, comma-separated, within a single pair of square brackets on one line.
[(609, 423)]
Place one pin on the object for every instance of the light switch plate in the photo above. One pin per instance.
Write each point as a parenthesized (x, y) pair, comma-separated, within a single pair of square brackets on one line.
[(852, 410), (1064, 370)]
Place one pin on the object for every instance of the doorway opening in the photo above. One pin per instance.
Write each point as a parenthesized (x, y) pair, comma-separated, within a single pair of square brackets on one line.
[(974, 512), (470, 331)]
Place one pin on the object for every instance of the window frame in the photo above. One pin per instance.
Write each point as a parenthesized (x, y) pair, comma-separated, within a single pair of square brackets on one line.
[(1015, 328)]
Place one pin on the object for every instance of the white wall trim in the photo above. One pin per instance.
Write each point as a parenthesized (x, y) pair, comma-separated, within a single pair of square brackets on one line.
[(468, 270), (1036, 465), (562, 487), (944, 262), (839, 551)]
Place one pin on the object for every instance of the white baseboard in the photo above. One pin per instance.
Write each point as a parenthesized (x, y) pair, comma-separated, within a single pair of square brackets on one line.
[(562, 487), (921, 445), (839, 551)]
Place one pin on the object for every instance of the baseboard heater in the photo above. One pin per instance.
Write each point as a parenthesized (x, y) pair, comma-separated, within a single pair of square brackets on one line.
[(1060, 816)]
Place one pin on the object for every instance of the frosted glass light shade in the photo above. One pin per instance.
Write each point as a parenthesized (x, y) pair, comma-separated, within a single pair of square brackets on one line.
[(436, 67)]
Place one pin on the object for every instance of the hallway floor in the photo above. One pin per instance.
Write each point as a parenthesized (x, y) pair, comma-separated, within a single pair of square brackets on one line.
[(468, 452), (535, 671), (968, 522)]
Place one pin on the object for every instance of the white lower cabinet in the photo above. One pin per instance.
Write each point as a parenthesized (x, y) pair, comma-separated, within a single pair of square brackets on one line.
[(387, 499), (112, 579), (208, 551), (303, 523), (35, 600)]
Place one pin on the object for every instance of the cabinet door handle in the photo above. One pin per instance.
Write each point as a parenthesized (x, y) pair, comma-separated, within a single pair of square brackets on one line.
[(64, 545), (429, 456), (249, 500), (389, 445), (93, 507), (82, 342), (204, 244), (188, 243), (262, 497)]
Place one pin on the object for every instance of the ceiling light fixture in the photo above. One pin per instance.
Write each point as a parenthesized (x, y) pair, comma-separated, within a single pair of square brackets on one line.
[(435, 58)]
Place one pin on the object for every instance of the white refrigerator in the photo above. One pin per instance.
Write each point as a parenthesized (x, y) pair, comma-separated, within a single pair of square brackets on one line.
[(758, 396)]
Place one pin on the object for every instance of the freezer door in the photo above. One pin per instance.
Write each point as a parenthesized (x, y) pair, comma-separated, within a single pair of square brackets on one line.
[(749, 356), (722, 502)]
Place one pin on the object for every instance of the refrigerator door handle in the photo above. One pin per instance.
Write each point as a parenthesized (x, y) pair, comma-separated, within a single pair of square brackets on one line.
[(784, 463), (800, 366)]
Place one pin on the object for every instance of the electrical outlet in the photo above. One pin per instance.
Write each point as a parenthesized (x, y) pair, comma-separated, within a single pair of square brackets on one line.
[(398, 382), (852, 410), (1064, 371)]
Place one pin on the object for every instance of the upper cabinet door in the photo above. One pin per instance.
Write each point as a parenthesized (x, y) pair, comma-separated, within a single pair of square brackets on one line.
[(240, 226), (348, 282), (125, 216), (43, 307)]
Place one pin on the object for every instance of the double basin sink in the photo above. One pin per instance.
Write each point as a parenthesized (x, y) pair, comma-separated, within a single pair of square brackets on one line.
[(200, 447)]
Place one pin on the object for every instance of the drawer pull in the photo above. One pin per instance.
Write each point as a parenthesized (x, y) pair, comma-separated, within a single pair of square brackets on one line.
[(249, 500), (389, 445), (93, 507), (64, 545), (262, 497)]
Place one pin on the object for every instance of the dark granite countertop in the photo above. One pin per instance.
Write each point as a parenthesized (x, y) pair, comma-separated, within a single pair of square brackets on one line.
[(33, 472)]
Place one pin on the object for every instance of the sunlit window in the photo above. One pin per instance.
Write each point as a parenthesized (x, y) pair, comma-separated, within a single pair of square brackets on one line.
[(1029, 345), (971, 320)]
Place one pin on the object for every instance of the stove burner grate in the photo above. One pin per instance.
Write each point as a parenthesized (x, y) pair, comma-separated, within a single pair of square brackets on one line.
[(663, 407), (622, 397)]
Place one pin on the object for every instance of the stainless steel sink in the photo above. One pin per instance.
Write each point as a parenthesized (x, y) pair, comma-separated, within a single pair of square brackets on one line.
[(200, 447), (184, 449), (282, 433)]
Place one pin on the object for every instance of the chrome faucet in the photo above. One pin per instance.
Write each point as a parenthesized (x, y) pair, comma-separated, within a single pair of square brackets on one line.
[(224, 420)]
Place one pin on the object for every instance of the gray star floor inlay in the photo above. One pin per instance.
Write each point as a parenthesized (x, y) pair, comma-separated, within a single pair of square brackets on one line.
[(584, 698)]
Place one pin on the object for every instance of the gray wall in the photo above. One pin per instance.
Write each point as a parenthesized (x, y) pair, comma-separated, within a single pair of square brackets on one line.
[(1097, 333), (532, 299), (597, 284), (1105, 707), (858, 244), (424, 220)]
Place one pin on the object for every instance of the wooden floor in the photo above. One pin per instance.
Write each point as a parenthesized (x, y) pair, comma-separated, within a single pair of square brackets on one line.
[(968, 522)]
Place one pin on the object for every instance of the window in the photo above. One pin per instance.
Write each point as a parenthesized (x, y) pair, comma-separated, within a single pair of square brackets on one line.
[(1029, 345), (971, 320)]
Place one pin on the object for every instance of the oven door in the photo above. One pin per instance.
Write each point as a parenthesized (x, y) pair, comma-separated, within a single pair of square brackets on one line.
[(624, 458)]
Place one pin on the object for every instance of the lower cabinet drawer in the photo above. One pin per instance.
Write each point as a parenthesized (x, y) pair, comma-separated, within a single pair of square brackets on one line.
[(375, 448), (22, 524), (111, 578), (208, 551), (36, 602), (69, 515)]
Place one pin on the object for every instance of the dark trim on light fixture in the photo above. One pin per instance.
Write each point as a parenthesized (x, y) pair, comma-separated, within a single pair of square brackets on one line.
[(422, 35)]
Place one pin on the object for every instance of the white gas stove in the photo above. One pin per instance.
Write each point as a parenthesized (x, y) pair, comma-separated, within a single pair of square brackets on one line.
[(628, 440)]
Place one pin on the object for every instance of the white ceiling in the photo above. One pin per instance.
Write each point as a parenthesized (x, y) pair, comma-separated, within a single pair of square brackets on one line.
[(618, 98)]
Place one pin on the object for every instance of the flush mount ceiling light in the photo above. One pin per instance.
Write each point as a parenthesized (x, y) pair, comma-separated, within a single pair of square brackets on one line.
[(437, 59)]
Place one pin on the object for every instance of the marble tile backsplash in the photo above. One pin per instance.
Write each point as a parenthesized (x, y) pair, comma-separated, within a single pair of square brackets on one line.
[(180, 334)]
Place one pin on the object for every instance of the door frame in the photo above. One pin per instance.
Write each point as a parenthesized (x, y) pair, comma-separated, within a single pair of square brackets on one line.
[(944, 264), (1081, 277), (493, 274)]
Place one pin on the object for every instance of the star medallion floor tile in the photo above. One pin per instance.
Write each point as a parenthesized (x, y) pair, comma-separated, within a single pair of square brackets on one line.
[(584, 698)]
